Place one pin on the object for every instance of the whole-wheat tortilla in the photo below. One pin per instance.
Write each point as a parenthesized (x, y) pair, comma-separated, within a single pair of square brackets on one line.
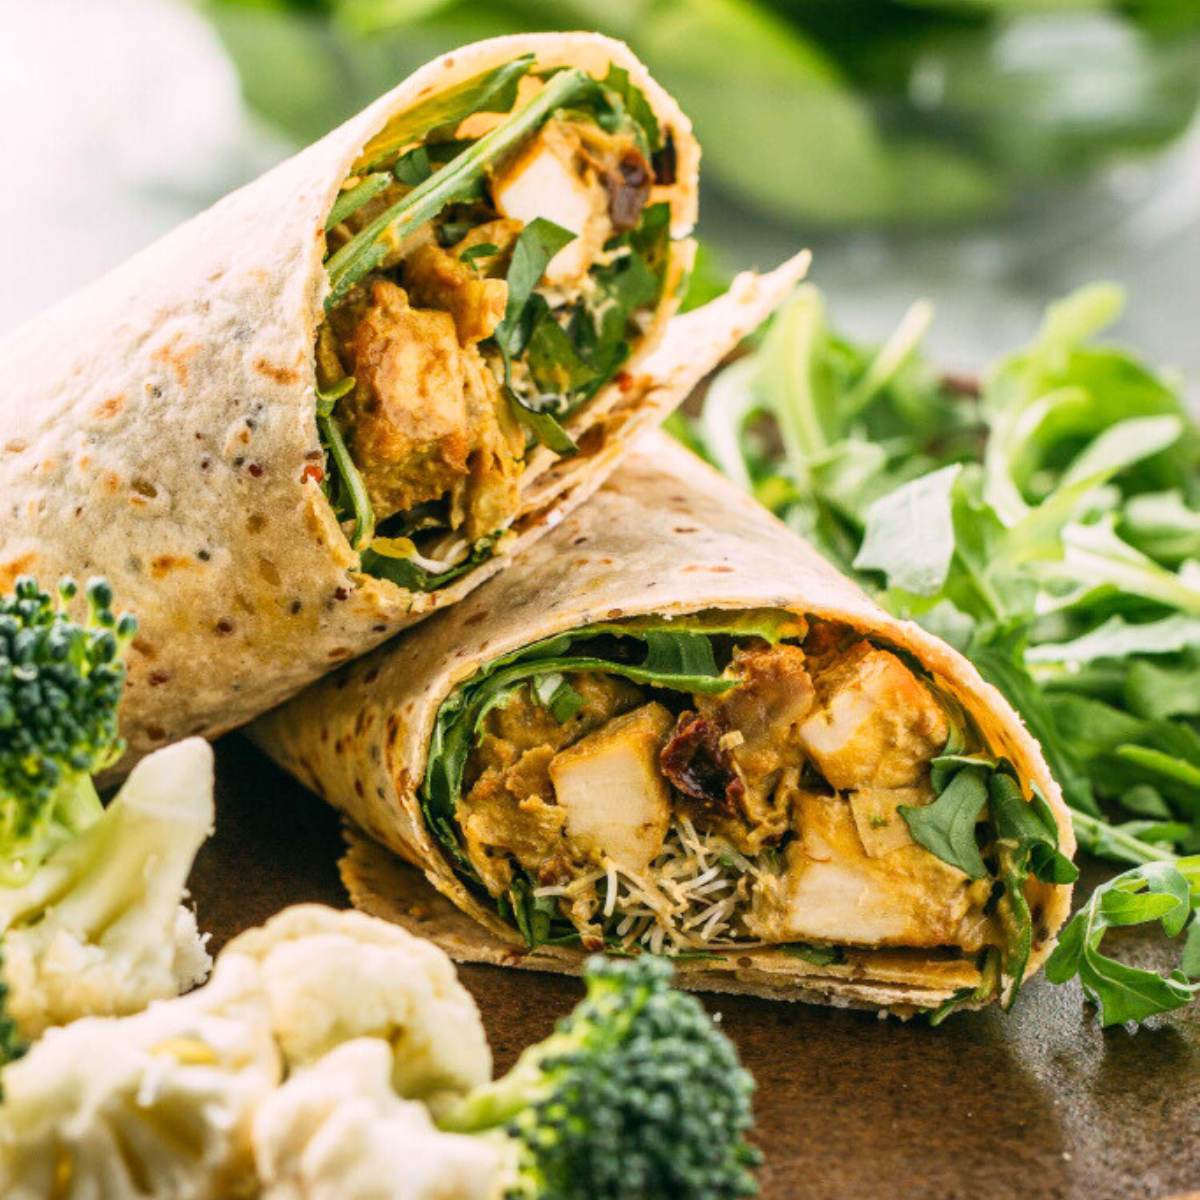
[(158, 428), (665, 535)]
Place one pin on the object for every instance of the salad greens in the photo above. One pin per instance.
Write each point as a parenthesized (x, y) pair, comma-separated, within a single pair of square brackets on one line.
[(1045, 524), (1164, 892)]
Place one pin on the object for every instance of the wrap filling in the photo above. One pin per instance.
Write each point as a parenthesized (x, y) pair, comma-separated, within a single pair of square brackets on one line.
[(493, 259), (725, 781)]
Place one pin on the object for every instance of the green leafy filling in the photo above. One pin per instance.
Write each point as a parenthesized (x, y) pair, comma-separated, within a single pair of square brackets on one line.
[(568, 355), (1023, 837), (678, 655)]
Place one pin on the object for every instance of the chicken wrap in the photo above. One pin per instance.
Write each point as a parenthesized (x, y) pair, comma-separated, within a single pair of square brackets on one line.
[(347, 393), (671, 726)]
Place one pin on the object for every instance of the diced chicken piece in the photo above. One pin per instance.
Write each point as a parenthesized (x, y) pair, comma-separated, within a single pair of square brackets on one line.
[(426, 415), (551, 179), (881, 827), (617, 803), (876, 724), (831, 891), (436, 278)]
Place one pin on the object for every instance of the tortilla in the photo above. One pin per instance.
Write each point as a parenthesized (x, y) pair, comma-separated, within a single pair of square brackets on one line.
[(159, 429), (665, 536)]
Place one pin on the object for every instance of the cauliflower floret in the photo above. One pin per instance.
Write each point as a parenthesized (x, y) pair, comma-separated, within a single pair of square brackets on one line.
[(99, 930), (337, 1131), (159, 1104), (332, 976)]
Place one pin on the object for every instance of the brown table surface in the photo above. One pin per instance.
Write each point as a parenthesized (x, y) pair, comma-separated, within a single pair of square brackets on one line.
[(1038, 1104)]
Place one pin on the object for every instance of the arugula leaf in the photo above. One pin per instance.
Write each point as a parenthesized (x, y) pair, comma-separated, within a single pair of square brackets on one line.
[(490, 91), (553, 361), (819, 956), (679, 653), (553, 692), (946, 828), (350, 499), (411, 576), (637, 106), (538, 243), (1161, 892), (479, 250), (455, 181), (1026, 842), (910, 533), (350, 201)]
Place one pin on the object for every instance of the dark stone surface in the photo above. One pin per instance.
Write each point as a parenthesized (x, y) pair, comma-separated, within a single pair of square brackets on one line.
[(1037, 1104)]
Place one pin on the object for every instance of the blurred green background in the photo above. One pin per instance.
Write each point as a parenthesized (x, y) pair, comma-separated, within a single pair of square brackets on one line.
[(810, 112), (987, 154)]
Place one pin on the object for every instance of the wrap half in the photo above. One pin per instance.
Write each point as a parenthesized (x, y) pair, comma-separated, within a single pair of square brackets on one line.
[(349, 392), (672, 726)]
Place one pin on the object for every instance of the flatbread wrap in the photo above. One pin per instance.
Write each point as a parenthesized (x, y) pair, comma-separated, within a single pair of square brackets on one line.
[(671, 726), (349, 392)]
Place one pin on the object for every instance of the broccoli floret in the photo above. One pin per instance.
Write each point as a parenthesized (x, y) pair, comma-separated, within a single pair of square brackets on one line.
[(637, 1095), (90, 915), (60, 686)]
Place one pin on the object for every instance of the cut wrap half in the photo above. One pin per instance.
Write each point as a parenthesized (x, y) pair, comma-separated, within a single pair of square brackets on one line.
[(347, 393), (671, 726)]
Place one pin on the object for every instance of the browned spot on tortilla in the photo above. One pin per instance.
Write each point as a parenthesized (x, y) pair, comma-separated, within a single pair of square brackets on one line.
[(144, 487), (176, 357), (144, 648), (224, 626), (19, 566), (268, 570), (256, 523), (158, 678), (15, 445), (278, 374), (111, 482), (161, 565), (220, 271), (156, 733), (476, 619), (338, 653), (107, 409)]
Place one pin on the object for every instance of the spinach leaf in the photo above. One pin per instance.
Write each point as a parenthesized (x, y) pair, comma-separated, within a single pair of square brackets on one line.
[(946, 828), (1161, 892)]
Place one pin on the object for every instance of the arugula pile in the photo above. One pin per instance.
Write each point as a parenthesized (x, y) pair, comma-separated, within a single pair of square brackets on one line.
[(1048, 525)]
